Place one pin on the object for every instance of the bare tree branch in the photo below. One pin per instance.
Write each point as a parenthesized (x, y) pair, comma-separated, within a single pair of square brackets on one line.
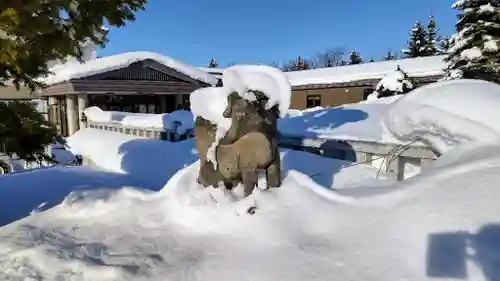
[(332, 57)]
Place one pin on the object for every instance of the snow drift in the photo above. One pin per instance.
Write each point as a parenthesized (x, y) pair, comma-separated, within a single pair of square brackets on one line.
[(358, 121), (152, 161), (446, 114), (326, 222), (189, 233), (268, 80)]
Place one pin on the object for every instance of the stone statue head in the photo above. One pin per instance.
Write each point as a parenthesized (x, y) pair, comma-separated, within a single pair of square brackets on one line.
[(242, 111)]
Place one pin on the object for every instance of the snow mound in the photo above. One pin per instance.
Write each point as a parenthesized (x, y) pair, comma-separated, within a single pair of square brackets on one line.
[(210, 103), (384, 100), (446, 114), (152, 161), (357, 121), (266, 79), (179, 121), (74, 70), (296, 233), (32, 192)]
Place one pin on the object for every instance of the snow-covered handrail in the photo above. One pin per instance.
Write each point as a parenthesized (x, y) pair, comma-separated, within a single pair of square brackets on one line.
[(365, 152), (351, 150), (152, 133)]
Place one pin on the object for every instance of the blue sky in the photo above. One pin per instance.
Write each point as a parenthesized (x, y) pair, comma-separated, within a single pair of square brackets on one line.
[(237, 31)]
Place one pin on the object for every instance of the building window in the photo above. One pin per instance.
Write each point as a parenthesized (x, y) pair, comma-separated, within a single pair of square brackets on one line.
[(367, 92), (313, 101)]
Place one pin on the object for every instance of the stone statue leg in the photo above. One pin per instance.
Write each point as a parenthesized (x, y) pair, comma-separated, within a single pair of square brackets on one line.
[(231, 183), (249, 181), (207, 175), (273, 172)]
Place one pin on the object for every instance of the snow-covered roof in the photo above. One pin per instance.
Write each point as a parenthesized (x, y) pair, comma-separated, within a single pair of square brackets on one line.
[(212, 69), (73, 69), (415, 67)]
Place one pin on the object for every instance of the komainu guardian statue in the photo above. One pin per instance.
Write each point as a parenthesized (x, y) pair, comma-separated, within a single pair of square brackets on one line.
[(246, 147)]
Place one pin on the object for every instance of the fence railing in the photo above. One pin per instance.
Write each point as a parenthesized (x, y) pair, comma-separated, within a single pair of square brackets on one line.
[(395, 157), (151, 133)]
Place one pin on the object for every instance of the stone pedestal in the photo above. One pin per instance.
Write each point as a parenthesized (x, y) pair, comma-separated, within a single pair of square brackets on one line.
[(82, 104), (71, 114)]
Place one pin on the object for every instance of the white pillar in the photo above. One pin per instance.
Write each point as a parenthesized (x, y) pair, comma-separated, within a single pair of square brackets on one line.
[(51, 114), (82, 104), (52, 100), (71, 114)]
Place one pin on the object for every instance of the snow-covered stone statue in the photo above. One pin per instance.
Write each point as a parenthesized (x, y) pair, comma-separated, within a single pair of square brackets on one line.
[(394, 83), (235, 127)]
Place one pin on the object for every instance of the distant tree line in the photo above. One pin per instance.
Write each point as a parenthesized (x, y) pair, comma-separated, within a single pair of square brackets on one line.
[(423, 41), (472, 52)]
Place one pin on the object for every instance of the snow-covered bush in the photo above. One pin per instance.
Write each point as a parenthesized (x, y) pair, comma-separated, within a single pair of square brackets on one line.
[(394, 83)]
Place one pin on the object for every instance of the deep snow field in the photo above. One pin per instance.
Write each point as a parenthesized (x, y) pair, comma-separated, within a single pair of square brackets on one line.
[(139, 214)]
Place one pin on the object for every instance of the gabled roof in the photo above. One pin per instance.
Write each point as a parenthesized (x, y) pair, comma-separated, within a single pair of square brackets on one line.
[(74, 70), (415, 67)]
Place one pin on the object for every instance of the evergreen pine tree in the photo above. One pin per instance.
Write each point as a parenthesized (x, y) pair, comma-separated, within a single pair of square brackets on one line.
[(343, 62), (24, 132), (355, 58), (474, 47), (417, 42), (444, 45), (213, 63), (432, 38), (34, 33), (371, 59), (389, 56)]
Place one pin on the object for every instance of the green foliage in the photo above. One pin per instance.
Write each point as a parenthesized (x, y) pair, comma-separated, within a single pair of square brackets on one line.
[(213, 63), (24, 132), (389, 56), (33, 32), (432, 38), (474, 48), (355, 58), (417, 42), (444, 45)]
